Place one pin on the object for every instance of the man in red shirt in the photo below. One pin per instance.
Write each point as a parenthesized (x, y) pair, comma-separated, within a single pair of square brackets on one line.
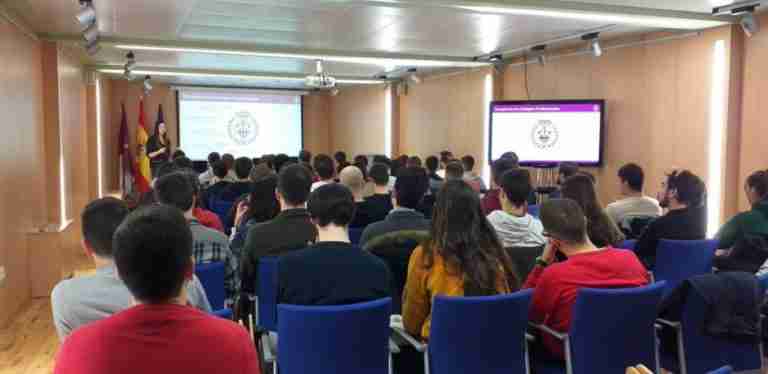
[(557, 284), (160, 334)]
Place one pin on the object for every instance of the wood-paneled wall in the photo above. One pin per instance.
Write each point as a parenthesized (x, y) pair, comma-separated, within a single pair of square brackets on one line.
[(357, 120), (316, 112)]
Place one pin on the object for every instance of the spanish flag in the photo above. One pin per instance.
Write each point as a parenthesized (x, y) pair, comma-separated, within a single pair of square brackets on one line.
[(142, 135)]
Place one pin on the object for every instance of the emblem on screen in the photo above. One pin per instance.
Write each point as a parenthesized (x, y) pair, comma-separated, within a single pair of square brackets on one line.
[(243, 128), (545, 134)]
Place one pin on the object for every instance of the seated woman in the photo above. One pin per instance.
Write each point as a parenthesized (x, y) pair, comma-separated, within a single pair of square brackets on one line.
[(752, 222), (463, 258), (260, 206), (601, 229)]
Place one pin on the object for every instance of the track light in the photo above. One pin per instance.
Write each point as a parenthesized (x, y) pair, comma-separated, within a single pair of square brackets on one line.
[(334, 92), (127, 75), (594, 43), (413, 77), (749, 23), (91, 33), (495, 58), (147, 84), (86, 16), (539, 52)]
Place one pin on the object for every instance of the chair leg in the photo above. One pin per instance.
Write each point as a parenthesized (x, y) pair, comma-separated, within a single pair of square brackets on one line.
[(426, 361), (681, 351), (389, 363), (568, 358)]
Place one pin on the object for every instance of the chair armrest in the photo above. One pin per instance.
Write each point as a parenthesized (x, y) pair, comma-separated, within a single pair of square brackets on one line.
[(529, 337), (421, 347), (393, 348), (266, 346), (675, 325), (544, 328)]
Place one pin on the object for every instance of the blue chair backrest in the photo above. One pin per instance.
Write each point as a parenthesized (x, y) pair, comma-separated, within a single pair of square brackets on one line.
[(534, 210), (225, 313), (613, 329), (221, 208), (479, 334), (343, 339), (722, 370), (678, 260), (211, 275), (763, 279), (628, 244), (355, 234), (704, 353), (267, 293)]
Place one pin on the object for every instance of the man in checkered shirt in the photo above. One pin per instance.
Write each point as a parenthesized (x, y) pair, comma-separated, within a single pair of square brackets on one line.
[(208, 245)]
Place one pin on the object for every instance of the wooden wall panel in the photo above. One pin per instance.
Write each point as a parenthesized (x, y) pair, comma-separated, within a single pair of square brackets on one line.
[(316, 115), (22, 185), (357, 120)]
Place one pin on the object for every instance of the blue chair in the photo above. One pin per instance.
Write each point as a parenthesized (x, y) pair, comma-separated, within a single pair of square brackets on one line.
[(722, 370), (628, 244), (211, 275), (462, 342), (699, 353), (343, 339), (763, 279), (225, 313), (267, 294), (678, 260), (534, 210), (612, 329), (355, 234)]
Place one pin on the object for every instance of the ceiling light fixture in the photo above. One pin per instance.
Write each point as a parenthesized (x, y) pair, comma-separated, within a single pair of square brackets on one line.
[(413, 77), (496, 58), (147, 85), (91, 33), (86, 16), (382, 61), (749, 24), (746, 11), (539, 52), (162, 73), (321, 79), (594, 43)]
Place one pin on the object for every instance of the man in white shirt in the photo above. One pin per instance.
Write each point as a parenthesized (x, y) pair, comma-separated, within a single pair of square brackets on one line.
[(324, 167), (634, 203), (206, 178)]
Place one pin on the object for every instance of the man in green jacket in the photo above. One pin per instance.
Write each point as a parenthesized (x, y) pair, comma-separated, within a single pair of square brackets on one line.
[(755, 221)]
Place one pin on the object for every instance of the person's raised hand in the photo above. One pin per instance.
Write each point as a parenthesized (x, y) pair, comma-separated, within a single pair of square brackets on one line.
[(242, 207)]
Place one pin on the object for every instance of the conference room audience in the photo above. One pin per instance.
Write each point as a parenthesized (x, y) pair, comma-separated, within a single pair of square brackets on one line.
[(471, 177), (454, 171), (753, 222), (332, 271), (379, 204), (208, 245), (635, 203), (463, 257), (153, 252), (491, 200), (408, 194), (602, 231), (435, 181), (261, 171), (85, 299), (557, 284), (242, 184), (290, 230), (683, 194), (324, 169), (206, 178), (352, 178), (514, 226)]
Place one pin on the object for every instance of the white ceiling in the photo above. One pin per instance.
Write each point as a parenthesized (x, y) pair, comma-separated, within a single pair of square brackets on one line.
[(428, 28)]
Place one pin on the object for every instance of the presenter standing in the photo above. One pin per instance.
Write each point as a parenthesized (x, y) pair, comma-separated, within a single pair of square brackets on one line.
[(158, 148)]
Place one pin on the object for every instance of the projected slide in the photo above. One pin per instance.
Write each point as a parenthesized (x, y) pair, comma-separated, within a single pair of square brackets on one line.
[(547, 133), (240, 122)]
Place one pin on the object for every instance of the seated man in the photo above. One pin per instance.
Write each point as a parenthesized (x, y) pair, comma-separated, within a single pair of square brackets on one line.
[(380, 203), (219, 184), (210, 245), (352, 178), (435, 181), (160, 334), (333, 271), (514, 226), (409, 191), (454, 171), (472, 178), (634, 203), (242, 184), (325, 170), (229, 162), (683, 194), (291, 230), (491, 201), (557, 284), (81, 300), (206, 178)]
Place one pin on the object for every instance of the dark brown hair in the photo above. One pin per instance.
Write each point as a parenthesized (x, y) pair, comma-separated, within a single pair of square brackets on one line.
[(600, 228)]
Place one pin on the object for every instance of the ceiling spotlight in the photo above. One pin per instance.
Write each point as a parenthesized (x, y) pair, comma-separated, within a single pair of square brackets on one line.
[(413, 77), (749, 24), (539, 52), (86, 16), (594, 43), (334, 92), (127, 75), (147, 84), (495, 58), (91, 33)]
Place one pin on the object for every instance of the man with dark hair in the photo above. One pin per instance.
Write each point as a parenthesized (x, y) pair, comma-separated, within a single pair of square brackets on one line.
[(182, 162), (305, 156), (472, 178), (333, 271), (454, 171), (325, 170), (178, 153), (491, 200), (279, 161), (634, 203), (435, 181), (82, 300), (209, 245), (153, 255), (514, 226), (557, 284), (380, 203), (206, 178), (410, 188), (341, 160), (683, 195), (566, 170), (445, 158), (242, 185), (291, 230), (352, 178), (219, 183), (229, 161), (414, 162)]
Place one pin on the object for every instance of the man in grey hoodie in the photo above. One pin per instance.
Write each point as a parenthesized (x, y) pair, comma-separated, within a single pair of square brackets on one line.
[(514, 226)]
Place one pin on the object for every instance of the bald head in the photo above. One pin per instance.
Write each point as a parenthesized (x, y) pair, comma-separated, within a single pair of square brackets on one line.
[(352, 177)]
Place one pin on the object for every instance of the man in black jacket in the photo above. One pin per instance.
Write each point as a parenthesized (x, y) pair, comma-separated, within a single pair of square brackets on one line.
[(683, 194)]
